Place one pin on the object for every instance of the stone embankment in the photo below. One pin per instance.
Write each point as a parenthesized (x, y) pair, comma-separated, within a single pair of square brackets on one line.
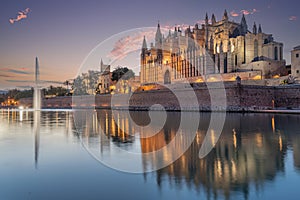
[(239, 98)]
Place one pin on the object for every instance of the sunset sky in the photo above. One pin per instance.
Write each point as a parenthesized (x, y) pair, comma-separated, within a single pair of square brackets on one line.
[(62, 33)]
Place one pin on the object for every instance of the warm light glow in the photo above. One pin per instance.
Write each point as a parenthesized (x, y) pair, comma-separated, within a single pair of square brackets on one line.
[(273, 124), (219, 168), (212, 79), (280, 143), (276, 76), (232, 78), (234, 138), (259, 140), (257, 77), (213, 138)]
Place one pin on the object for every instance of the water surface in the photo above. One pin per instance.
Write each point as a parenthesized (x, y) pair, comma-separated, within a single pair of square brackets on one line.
[(256, 157)]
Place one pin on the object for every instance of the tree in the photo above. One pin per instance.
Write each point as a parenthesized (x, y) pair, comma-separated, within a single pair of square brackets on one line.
[(93, 79), (122, 73), (57, 91), (79, 87)]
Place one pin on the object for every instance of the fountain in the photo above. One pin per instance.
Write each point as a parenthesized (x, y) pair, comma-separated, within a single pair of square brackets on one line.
[(37, 89), (37, 114)]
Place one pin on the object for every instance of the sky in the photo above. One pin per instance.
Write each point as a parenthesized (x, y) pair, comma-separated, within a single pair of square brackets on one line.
[(63, 33)]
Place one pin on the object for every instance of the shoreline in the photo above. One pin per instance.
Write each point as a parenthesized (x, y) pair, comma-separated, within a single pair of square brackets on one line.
[(239, 98), (275, 111)]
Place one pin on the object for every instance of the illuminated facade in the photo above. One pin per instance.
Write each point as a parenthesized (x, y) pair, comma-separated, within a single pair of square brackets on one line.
[(296, 62), (104, 80), (216, 47)]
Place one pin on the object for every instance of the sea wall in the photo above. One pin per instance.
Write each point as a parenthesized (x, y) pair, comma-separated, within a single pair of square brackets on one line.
[(238, 98)]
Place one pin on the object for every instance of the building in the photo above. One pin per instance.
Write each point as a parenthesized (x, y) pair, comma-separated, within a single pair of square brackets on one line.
[(104, 79), (105, 84), (295, 62), (218, 47)]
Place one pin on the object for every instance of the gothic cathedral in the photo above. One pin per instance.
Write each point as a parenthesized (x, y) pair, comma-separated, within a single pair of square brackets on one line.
[(216, 47)]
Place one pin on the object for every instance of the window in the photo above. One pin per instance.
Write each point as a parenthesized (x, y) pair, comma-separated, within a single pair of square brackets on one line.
[(297, 71), (297, 55), (276, 53)]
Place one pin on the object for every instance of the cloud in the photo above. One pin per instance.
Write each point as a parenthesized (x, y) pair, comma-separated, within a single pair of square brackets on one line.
[(22, 70), (18, 81), (234, 14), (21, 15), (18, 71), (130, 43), (293, 18), (245, 12), (5, 76)]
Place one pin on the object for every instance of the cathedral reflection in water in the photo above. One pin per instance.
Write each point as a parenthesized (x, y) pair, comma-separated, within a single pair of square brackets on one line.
[(251, 150)]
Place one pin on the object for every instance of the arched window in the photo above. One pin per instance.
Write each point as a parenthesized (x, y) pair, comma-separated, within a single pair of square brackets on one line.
[(167, 78)]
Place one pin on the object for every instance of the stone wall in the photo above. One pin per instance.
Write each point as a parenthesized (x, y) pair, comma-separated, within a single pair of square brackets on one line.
[(238, 98), (56, 102)]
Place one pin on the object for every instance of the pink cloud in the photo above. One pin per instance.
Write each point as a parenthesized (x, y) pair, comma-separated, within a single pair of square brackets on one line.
[(21, 15), (130, 43), (293, 18), (234, 14), (245, 12)]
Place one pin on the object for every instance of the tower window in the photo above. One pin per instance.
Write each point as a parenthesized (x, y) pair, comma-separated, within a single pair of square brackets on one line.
[(297, 71), (297, 55), (276, 53)]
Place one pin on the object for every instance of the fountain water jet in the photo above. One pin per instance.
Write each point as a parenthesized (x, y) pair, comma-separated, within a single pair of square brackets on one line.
[(37, 89), (37, 114)]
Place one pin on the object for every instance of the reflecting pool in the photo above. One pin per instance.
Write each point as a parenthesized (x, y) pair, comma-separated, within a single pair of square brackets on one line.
[(65, 154)]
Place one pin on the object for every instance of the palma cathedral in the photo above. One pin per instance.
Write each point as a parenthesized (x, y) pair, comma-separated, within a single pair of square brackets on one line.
[(223, 47)]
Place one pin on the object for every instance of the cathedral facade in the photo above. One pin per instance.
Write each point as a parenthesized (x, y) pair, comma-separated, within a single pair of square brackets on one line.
[(216, 47)]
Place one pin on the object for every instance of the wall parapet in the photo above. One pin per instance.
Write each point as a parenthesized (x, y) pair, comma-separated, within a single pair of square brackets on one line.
[(239, 98)]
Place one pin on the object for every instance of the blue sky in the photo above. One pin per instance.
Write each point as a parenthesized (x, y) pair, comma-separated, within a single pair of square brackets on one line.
[(62, 33)]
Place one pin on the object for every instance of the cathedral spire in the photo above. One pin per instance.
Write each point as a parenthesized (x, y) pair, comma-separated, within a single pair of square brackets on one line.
[(158, 36), (244, 26), (254, 28), (225, 16), (101, 65), (213, 19), (206, 19), (144, 44), (259, 29)]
